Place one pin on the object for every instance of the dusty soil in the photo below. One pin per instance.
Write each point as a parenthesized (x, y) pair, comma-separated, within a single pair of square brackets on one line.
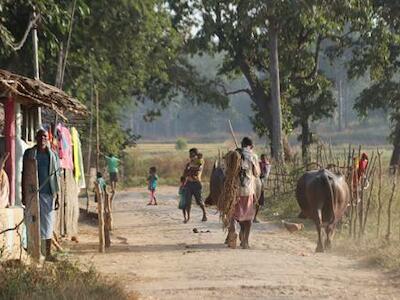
[(158, 256)]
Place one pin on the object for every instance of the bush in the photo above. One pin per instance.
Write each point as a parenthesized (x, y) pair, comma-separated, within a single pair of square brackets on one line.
[(181, 144), (61, 280)]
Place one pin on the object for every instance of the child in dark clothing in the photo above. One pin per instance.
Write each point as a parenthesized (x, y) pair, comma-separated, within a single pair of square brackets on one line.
[(102, 185), (182, 202)]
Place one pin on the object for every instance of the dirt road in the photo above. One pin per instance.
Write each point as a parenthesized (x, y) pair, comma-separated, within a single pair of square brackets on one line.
[(154, 253)]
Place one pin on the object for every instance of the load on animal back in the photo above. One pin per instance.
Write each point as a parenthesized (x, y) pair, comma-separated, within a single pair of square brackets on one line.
[(323, 197)]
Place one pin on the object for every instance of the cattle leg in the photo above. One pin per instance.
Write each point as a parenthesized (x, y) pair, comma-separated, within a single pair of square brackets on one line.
[(330, 230), (320, 247)]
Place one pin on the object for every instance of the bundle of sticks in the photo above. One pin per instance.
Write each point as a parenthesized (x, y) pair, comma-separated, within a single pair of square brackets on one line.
[(228, 198)]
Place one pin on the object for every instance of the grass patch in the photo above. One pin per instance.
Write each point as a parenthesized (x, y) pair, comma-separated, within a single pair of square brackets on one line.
[(168, 161), (61, 280), (374, 252)]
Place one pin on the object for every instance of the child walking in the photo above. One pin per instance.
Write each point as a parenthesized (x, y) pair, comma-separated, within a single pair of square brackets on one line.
[(152, 185), (182, 202)]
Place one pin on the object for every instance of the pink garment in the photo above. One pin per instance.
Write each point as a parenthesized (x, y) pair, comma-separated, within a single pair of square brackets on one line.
[(65, 147), (244, 210)]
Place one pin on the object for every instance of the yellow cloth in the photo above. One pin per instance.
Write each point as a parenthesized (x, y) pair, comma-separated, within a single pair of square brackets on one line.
[(78, 159), (75, 141)]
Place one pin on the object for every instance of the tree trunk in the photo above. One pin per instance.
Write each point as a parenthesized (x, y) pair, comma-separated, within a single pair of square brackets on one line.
[(305, 141), (346, 105), (340, 105), (263, 102), (276, 133), (395, 159)]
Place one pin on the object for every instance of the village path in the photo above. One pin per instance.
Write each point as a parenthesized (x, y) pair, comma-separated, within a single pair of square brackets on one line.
[(158, 256)]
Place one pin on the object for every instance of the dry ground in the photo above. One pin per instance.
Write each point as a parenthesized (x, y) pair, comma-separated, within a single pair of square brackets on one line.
[(156, 255)]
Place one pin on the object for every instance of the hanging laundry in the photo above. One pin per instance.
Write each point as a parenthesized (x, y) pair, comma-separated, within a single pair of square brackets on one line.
[(4, 189), (79, 172), (64, 147)]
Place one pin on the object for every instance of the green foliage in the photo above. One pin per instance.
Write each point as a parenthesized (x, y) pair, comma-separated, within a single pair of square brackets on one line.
[(129, 50), (241, 31), (62, 280), (376, 52), (181, 144)]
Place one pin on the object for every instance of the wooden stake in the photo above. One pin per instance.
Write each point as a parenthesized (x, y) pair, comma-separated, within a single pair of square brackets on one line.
[(89, 159), (97, 131), (107, 220), (389, 211), (100, 213), (36, 74), (379, 192)]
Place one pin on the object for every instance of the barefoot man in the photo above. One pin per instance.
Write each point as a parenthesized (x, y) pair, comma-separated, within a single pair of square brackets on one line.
[(193, 186), (48, 183)]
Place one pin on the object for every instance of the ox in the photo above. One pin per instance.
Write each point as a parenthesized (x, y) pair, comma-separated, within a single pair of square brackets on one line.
[(323, 197), (216, 183)]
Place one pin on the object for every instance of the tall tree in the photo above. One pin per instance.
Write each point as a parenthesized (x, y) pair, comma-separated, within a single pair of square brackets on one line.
[(129, 50), (249, 32), (376, 51)]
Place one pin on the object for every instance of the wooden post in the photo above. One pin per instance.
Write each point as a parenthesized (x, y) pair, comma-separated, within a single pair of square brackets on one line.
[(32, 209), (389, 209), (97, 131), (110, 209), (107, 220), (99, 192), (89, 160), (100, 213), (36, 64), (379, 193), (9, 133)]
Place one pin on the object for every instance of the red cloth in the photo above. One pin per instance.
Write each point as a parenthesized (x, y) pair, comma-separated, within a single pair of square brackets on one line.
[(362, 167), (244, 209)]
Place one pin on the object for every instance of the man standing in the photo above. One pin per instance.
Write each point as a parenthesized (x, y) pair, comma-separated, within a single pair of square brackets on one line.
[(46, 165), (244, 211), (265, 168), (193, 187), (112, 165)]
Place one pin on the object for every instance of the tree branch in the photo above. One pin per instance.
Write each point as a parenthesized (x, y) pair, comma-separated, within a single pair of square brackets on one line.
[(238, 91), (314, 71), (19, 45)]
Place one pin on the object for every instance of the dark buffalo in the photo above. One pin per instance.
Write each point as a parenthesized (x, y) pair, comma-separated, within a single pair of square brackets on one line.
[(216, 184), (323, 197)]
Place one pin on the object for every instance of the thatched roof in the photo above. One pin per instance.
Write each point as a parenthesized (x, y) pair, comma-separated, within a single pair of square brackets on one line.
[(35, 92)]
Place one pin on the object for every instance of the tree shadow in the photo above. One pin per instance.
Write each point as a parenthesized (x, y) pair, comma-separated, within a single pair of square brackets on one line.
[(123, 247)]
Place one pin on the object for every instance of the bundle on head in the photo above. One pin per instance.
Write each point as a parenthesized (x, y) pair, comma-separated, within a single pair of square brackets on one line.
[(230, 192)]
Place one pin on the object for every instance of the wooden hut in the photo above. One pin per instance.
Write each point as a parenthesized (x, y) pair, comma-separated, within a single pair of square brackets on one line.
[(21, 98)]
